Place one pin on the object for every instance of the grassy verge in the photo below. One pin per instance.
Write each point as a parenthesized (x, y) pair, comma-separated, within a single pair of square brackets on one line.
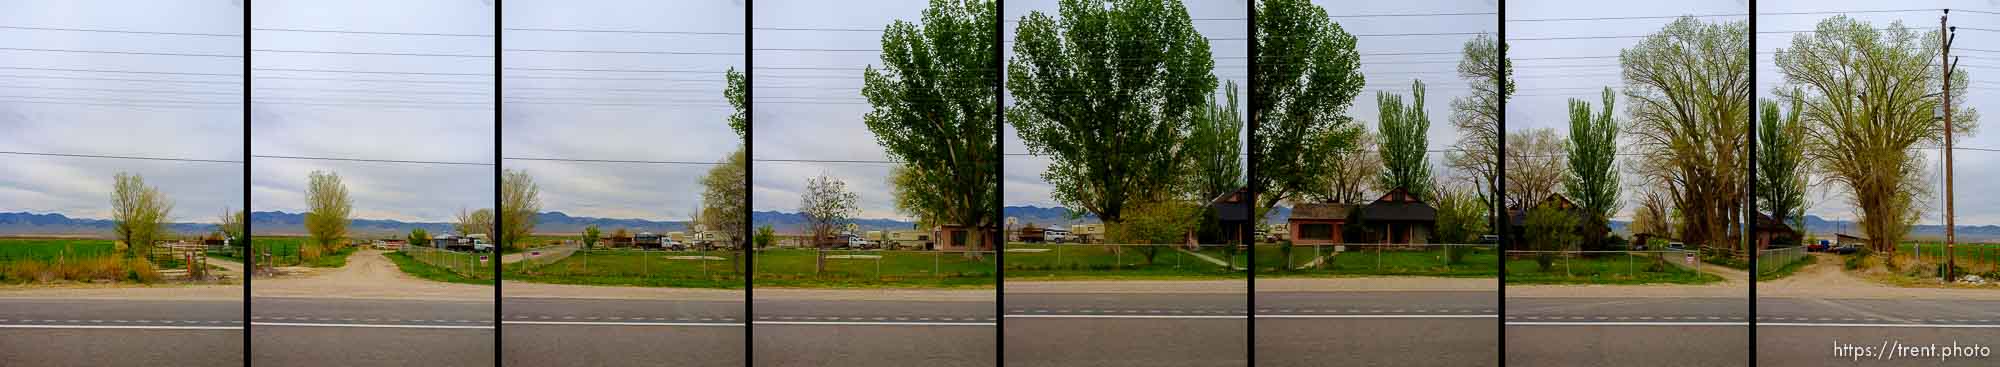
[(1083, 262), (1788, 269), (1637, 269), (289, 251), (60, 260), (1476, 262), (634, 268), (421, 270), (873, 269)]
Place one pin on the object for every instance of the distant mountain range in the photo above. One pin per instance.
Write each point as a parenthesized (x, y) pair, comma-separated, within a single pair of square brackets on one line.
[(795, 223), (282, 223), (24, 223), (1044, 217)]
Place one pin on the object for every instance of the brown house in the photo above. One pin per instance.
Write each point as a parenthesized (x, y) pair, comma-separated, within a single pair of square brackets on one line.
[(1400, 217), (1232, 212), (1318, 223), (1768, 229), (1517, 220)]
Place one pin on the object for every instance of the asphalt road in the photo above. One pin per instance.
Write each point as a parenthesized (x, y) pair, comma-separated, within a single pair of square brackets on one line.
[(1428, 328), (801, 332), (101, 332), (1628, 332), (1126, 329), (367, 332), (621, 332), (1806, 332)]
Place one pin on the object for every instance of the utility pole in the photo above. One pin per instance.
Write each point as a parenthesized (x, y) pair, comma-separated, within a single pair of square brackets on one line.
[(1950, 216)]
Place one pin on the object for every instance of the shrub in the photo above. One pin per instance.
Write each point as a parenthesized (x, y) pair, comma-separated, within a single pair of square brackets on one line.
[(139, 270), (309, 252)]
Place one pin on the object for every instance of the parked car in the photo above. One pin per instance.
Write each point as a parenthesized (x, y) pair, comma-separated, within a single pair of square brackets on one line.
[(1820, 246), (1845, 249), (673, 245), (1489, 239), (1677, 246), (482, 247)]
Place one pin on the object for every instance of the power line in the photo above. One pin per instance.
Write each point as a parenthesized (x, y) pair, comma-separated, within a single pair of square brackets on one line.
[(1404, 15), (1421, 34), (1625, 18), (825, 161), (633, 89), (218, 93), (372, 106), (621, 52), (1848, 11), (214, 107), (121, 157), (119, 71), (610, 161), (367, 160), (370, 72), (607, 78), (368, 53), (89, 99), (373, 91), (623, 70), (120, 31), (819, 49), (123, 79), (116, 52), (385, 101), (379, 80), (574, 30), (371, 32)]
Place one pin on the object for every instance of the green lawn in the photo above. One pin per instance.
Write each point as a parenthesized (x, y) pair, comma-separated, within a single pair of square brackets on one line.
[(692, 269), (285, 252), (427, 271), (1086, 262), (862, 269), (1604, 269), (1365, 261), (40, 260)]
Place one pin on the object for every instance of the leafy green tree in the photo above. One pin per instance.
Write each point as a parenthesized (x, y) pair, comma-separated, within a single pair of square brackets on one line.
[(1781, 169), (1534, 166), (1215, 149), (1549, 228), (1866, 96), (329, 209), (520, 202), (139, 213), (1354, 169), (1690, 89), (419, 237), (231, 226), (1307, 75), (934, 111), (766, 236), (1477, 115), (1461, 218), (1593, 177), (1405, 142), (591, 234), (725, 205), (1106, 93), (737, 93), (1155, 222), (471, 222)]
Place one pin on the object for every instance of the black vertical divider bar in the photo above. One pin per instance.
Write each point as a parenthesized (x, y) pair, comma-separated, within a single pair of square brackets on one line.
[(500, 220), (1750, 201), (750, 117), (1503, 229), (999, 189), (250, 255), (1250, 171)]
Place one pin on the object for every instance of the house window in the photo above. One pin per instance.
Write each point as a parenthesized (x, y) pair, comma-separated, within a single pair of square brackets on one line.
[(1316, 231), (958, 238)]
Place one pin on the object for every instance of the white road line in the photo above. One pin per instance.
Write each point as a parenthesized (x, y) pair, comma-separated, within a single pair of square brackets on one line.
[(389, 326), (1396, 316), (1128, 316), (1617, 323), (237, 328), (870, 323), (606, 323), (1950, 326)]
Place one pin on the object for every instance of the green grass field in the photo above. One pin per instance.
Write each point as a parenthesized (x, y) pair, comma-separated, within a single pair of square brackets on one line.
[(1086, 262), (691, 269), (1367, 261), (1969, 254), (1606, 269), (285, 252), (427, 271), (795, 268), (50, 249)]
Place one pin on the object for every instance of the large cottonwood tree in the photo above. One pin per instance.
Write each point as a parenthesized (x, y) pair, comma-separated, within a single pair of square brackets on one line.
[(934, 110), (1308, 74), (1689, 86)]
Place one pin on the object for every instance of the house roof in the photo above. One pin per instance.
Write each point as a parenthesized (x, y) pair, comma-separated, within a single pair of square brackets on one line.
[(1518, 217), (1322, 211), (1233, 206), (1766, 224), (1399, 205)]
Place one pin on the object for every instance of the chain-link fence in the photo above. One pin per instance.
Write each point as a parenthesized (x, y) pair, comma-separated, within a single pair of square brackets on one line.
[(1772, 260), (467, 264), (872, 265), (1670, 266), (632, 264), (1378, 259), (1048, 259)]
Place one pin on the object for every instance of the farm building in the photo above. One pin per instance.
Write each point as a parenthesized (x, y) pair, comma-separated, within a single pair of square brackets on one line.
[(1232, 212), (1770, 230)]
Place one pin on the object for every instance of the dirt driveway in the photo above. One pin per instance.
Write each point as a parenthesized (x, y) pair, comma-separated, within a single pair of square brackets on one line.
[(368, 274), (1825, 278)]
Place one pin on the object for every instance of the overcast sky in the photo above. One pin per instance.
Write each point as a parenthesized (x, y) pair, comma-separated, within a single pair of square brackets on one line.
[(1546, 85), (662, 107), (76, 112), (386, 113), (1976, 170), (816, 114), (1022, 174)]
